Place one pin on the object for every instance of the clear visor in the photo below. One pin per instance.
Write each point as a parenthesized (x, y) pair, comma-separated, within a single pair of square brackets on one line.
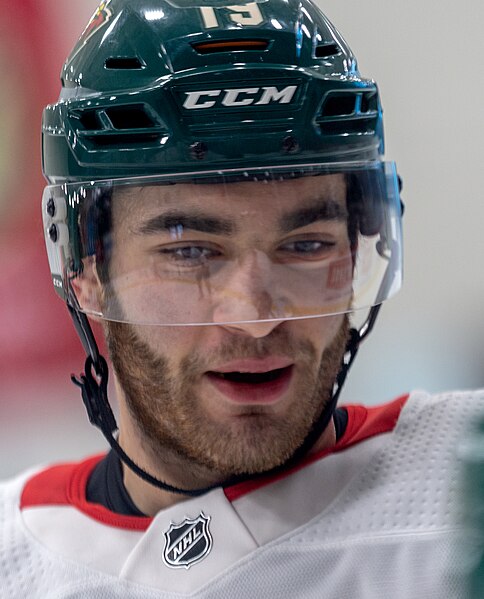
[(227, 247)]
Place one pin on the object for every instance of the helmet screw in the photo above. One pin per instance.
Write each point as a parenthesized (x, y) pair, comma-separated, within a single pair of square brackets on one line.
[(53, 233), (290, 145), (51, 207), (198, 150)]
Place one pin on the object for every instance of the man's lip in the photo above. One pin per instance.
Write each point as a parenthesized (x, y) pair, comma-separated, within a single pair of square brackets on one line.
[(242, 392), (255, 365)]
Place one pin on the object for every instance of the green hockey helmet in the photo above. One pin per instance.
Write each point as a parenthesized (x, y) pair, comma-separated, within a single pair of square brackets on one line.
[(169, 105), (158, 86)]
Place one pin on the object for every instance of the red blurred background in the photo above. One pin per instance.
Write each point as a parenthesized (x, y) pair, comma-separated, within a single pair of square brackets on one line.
[(41, 415), (35, 333)]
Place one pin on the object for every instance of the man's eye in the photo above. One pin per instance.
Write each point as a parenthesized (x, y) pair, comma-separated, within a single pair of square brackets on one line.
[(190, 255), (307, 248)]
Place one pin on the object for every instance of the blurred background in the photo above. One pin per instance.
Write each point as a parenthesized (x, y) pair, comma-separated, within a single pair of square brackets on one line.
[(427, 59)]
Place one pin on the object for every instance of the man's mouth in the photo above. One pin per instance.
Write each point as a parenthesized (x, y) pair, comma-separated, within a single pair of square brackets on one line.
[(252, 387), (251, 378)]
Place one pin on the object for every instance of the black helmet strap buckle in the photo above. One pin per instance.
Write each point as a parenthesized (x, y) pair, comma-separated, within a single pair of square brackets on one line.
[(93, 384)]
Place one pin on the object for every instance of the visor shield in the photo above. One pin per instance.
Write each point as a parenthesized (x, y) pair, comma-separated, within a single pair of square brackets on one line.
[(227, 247)]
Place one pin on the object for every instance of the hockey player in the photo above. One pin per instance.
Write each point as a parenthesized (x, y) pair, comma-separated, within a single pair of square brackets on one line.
[(219, 202)]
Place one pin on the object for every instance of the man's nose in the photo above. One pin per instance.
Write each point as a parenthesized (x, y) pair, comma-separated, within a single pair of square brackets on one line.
[(246, 296)]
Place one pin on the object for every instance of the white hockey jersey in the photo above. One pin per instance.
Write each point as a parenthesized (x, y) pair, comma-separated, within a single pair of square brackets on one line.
[(375, 517)]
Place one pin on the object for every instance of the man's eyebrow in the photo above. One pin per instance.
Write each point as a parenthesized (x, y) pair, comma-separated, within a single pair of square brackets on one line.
[(181, 220), (319, 210)]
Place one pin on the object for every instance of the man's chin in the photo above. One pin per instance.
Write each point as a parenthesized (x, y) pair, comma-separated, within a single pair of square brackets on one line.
[(255, 445)]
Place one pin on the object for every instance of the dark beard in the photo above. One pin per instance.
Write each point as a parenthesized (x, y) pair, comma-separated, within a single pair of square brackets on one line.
[(168, 416)]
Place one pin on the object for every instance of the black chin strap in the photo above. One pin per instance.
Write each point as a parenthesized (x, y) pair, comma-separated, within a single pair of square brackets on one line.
[(94, 384), (356, 337)]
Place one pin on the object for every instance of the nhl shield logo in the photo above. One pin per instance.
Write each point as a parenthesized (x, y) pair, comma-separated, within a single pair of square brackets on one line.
[(187, 543)]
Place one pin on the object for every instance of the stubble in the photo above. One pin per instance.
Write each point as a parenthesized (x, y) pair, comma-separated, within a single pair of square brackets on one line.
[(163, 403)]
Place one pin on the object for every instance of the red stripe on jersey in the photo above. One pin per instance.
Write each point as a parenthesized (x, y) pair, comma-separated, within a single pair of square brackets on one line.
[(65, 484), (363, 422), (47, 488)]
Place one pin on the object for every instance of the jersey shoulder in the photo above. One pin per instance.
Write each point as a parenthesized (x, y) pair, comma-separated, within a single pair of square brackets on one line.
[(25, 568)]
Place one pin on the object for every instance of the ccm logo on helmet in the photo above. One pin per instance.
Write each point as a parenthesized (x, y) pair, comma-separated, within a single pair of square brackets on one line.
[(244, 96)]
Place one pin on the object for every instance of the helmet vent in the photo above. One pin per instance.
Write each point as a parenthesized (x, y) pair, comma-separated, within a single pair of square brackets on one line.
[(127, 63), (339, 105), (326, 50), (120, 124), (89, 120), (369, 102), (349, 112), (214, 47), (129, 117)]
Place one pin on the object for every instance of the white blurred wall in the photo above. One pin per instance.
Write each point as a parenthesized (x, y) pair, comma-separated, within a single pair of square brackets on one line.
[(427, 59)]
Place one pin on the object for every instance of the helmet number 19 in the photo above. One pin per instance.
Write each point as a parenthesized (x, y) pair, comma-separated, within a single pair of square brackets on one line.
[(247, 14)]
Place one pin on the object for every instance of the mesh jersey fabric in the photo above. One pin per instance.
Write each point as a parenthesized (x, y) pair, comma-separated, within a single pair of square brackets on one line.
[(391, 532)]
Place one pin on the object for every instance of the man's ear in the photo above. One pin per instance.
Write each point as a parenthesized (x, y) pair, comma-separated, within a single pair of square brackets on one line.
[(87, 288)]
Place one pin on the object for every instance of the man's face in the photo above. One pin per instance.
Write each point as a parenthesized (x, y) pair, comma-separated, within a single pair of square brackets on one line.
[(236, 396)]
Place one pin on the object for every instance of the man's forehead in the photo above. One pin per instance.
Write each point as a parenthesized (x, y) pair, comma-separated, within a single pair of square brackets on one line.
[(240, 198)]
